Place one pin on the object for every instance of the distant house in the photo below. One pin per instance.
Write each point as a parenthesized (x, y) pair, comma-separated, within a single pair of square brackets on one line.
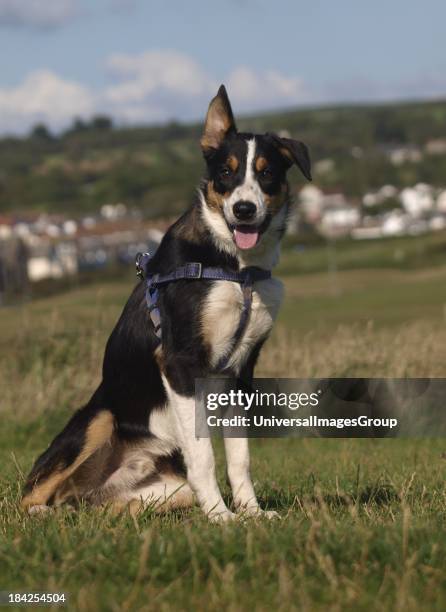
[(373, 198), (417, 200), (437, 223), (337, 222), (50, 259), (436, 146), (324, 166), (395, 223), (400, 154), (114, 242), (311, 203), (330, 212), (35, 247), (367, 232)]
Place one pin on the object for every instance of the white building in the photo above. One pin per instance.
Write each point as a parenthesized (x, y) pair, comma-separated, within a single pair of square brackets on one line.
[(49, 260), (394, 223), (404, 153), (436, 146), (339, 221), (311, 203), (386, 192), (417, 200)]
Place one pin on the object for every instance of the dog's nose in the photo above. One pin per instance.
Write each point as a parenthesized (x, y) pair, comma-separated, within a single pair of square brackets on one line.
[(244, 211)]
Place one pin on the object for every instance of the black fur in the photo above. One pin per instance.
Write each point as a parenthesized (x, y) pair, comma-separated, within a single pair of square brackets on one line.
[(225, 180), (131, 386), (298, 152)]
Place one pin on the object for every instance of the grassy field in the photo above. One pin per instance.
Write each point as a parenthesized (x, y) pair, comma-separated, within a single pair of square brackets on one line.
[(362, 520)]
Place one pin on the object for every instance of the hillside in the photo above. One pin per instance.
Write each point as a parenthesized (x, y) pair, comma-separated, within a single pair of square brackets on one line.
[(355, 148)]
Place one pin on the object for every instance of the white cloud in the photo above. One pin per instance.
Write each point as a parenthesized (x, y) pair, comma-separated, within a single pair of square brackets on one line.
[(255, 90), (37, 13), (43, 96), (147, 87), (166, 84), (156, 70), (157, 86)]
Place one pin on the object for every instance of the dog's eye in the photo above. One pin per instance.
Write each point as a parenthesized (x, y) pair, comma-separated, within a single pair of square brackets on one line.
[(266, 173), (225, 172)]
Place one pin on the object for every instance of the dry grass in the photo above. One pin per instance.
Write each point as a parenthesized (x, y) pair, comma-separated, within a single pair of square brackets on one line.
[(415, 349), (362, 520)]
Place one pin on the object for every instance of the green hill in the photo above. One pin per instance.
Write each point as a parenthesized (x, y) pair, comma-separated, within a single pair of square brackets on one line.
[(157, 168)]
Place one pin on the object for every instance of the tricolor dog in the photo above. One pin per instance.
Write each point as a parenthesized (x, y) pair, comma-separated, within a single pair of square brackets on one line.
[(205, 306)]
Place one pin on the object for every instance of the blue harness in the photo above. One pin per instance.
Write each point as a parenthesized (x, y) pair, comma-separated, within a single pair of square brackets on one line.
[(196, 271)]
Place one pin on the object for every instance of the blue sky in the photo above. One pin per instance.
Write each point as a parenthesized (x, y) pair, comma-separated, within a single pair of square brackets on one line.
[(143, 61)]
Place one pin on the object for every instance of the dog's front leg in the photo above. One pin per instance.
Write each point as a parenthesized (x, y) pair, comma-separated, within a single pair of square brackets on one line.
[(198, 456), (237, 459)]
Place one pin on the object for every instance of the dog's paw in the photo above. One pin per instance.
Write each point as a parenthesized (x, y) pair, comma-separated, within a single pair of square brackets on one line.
[(39, 510), (222, 517), (256, 512), (269, 514)]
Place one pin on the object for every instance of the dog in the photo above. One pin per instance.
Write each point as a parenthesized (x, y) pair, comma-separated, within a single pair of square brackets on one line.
[(134, 445)]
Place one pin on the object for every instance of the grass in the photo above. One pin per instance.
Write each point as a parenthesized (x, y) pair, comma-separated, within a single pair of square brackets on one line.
[(362, 520), (403, 253)]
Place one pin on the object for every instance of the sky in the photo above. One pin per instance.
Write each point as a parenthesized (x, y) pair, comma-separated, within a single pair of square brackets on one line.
[(142, 61)]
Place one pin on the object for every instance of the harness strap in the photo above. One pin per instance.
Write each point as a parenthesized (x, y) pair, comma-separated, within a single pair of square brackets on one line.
[(242, 324), (195, 271)]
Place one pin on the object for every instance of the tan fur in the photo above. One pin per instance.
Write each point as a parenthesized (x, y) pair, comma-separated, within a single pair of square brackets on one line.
[(232, 163), (221, 315), (218, 123), (286, 153), (99, 432), (159, 357), (261, 163), (42, 492), (215, 200), (89, 476)]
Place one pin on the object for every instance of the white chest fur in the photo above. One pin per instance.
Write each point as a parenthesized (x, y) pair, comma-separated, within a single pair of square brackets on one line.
[(221, 316)]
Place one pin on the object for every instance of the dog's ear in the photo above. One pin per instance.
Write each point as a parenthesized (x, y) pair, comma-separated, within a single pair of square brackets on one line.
[(294, 152), (219, 122)]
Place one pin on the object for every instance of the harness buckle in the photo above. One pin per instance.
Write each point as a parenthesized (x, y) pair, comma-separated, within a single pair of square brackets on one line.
[(193, 270), (139, 270), (140, 262)]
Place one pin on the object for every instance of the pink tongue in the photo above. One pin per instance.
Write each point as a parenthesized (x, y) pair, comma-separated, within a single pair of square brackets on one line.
[(245, 238)]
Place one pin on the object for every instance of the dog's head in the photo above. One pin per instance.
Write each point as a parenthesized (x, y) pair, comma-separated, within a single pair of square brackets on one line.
[(245, 194)]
